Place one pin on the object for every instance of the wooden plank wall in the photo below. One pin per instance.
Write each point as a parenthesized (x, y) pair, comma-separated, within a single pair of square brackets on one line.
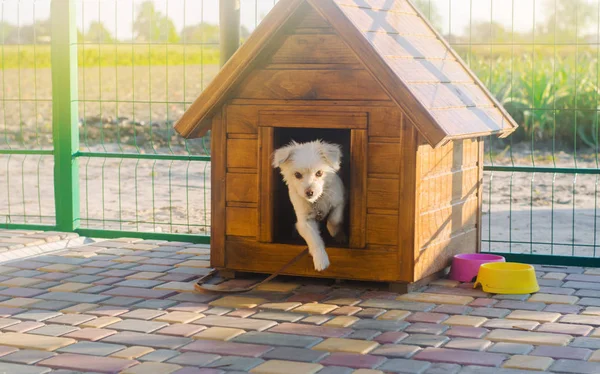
[(448, 198)]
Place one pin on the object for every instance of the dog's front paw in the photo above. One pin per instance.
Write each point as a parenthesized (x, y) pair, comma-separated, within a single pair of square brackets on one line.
[(321, 262)]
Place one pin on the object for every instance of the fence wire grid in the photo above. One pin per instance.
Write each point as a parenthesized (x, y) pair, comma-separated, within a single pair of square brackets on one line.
[(141, 63)]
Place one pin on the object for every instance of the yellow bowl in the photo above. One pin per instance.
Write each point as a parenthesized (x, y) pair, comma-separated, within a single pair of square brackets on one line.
[(507, 278)]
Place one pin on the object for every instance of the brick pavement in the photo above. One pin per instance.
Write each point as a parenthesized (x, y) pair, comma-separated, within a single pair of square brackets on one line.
[(127, 306)]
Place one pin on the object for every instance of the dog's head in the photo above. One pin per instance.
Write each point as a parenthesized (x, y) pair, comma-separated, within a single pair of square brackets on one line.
[(306, 166)]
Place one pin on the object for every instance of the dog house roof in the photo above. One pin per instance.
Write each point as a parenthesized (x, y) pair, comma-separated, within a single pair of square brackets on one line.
[(411, 61)]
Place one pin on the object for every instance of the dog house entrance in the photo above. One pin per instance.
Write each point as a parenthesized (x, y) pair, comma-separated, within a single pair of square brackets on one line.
[(284, 230)]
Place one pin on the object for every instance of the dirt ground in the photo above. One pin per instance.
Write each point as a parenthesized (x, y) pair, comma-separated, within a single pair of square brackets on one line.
[(174, 196)]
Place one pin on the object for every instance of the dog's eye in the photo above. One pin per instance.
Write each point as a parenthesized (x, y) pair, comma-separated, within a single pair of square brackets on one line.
[(298, 175), (319, 174)]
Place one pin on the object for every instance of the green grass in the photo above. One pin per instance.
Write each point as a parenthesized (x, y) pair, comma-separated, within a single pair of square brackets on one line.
[(28, 56)]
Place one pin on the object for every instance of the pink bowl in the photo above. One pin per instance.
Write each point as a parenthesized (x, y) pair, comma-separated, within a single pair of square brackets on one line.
[(465, 266)]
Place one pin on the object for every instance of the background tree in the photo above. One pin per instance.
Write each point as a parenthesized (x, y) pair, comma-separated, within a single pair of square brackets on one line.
[(151, 25), (98, 33)]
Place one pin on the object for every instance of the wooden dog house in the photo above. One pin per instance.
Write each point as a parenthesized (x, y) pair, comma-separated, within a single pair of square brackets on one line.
[(375, 77)]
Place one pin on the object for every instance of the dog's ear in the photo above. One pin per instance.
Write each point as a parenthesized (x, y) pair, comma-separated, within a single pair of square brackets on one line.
[(282, 155), (332, 154)]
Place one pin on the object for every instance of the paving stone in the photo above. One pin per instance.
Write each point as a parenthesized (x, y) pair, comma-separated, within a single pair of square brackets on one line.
[(426, 328), (19, 302), (279, 316), (364, 334), (468, 344), (314, 308), (459, 320), (6, 351), (37, 315), (233, 363), (143, 314), (21, 369), (152, 367), (19, 282), (595, 357), (441, 368), (511, 324), (284, 306), (92, 348), (390, 337), (100, 322), (565, 328), (583, 342), (425, 340), (527, 337), (467, 332), (39, 342), (473, 369), (218, 311), (6, 322), (436, 298), (342, 321), (88, 363), (26, 356), (581, 319), (238, 302), (459, 357), (353, 360), (522, 305), (146, 340), (288, 367), (427, 317), (159, 355), (24, 327), (337, 370), (241, 323), (575, 367), (90, 334), (274, 339), (219, 333), (483, 302), (371, 313), (563, 308), (53, 330), (490, 312), (73, 297), (53, 305), (400, 365), (452, 309), (533, 316), (71, 319), (155, 304), (553, 299), (79, 308), (226, 348), (511, 348), (122, 301), (21, 292), (178, 317), (396, 350), (528, 363), (139, 292), (346, 345), (411, 306), (380, 325), (589, 301), (138, 325), (562, 352), (316, 319), (181, 329), (295, 354)]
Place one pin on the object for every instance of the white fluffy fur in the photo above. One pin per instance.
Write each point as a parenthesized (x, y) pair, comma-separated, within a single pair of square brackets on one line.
[(327, 200)]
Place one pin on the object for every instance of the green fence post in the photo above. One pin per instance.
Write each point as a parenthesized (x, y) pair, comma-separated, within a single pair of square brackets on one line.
[(65, 131)]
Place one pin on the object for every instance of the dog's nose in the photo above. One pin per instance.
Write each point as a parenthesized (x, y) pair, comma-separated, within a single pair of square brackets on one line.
[(309, 193)]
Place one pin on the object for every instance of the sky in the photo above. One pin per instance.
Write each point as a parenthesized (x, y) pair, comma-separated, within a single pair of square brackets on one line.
[(117, 15)]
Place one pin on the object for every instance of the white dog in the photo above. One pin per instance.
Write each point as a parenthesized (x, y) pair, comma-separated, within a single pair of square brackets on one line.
[(316, 192)]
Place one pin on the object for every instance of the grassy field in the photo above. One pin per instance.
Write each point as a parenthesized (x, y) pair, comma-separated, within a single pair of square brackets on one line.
[(39, 56)]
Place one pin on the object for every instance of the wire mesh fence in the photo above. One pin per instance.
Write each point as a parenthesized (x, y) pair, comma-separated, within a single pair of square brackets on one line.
[(140, 63)]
